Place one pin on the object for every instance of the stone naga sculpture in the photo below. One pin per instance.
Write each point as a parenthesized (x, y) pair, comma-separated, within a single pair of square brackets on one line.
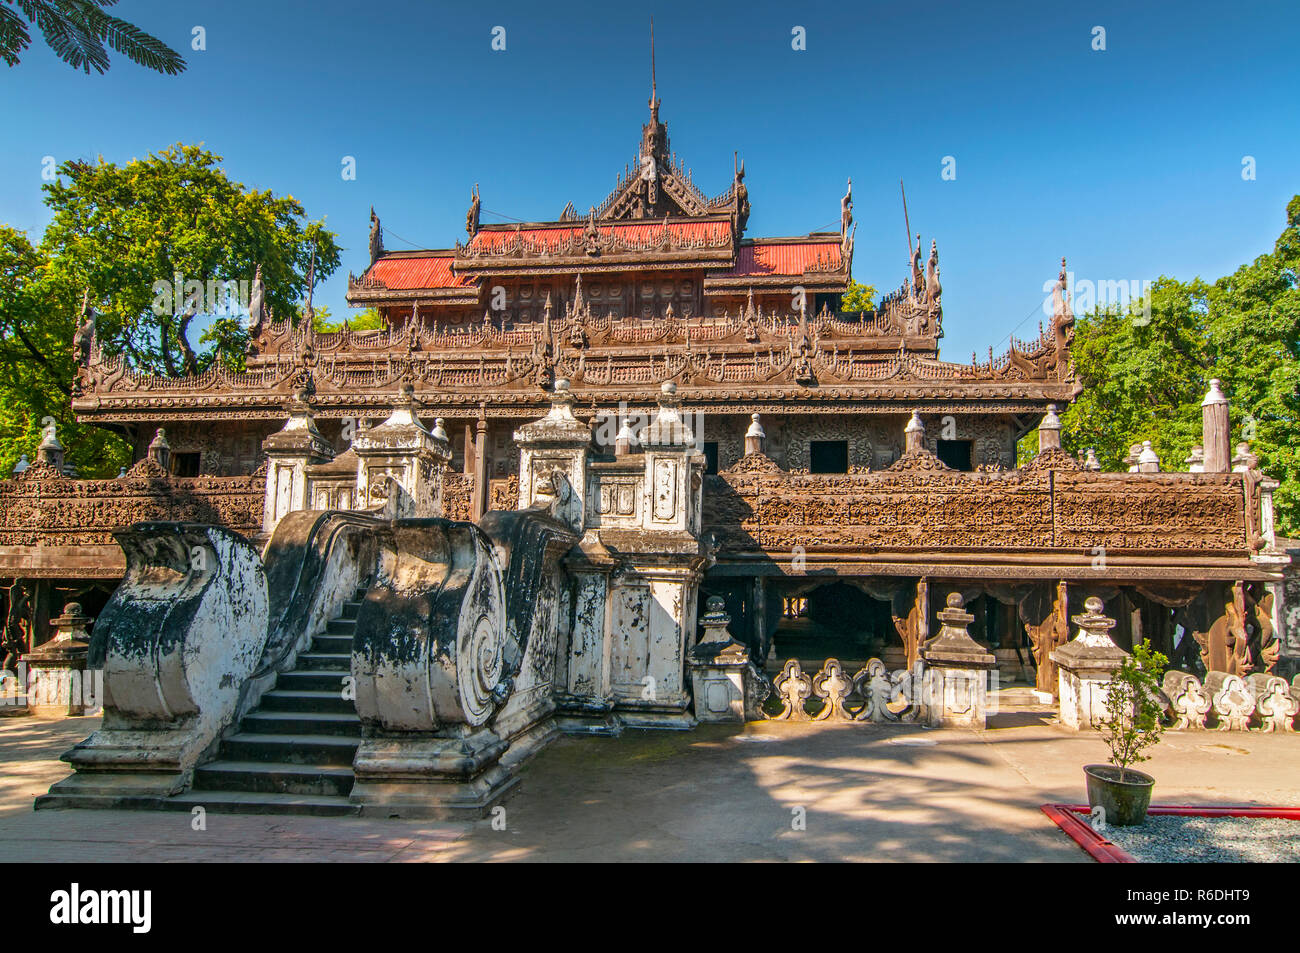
[(176, 642), (441, 649)]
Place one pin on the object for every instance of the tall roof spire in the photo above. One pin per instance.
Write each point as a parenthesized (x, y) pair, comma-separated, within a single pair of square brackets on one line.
[(654, 99)]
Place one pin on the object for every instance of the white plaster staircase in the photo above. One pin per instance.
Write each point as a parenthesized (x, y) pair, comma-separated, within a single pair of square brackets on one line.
[(293, 753)]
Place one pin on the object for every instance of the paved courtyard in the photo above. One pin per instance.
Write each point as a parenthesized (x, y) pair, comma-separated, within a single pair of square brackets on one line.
[(867, 793)]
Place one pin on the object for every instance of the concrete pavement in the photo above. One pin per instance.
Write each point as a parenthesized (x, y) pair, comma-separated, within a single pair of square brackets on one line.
[(770, 791)]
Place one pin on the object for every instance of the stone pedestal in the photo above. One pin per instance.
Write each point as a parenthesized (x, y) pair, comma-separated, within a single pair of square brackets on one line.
[(585, 702), (1085, 665), (290, 451), (722, 676), (58, 682), (956, 676), (401, 448), (553, 460)]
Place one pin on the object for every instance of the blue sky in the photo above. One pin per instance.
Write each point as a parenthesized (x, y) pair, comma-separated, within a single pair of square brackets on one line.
[(1128, 161)]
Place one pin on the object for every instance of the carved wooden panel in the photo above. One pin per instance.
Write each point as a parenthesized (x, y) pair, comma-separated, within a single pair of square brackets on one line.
[(764, 508)]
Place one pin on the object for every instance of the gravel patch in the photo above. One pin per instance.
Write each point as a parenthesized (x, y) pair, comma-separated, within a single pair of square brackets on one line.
[(1167, 838)]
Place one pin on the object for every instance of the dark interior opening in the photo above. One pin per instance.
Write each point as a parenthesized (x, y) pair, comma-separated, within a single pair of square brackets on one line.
[(710, 456), (185, 464), (955, 453), (828, 456)]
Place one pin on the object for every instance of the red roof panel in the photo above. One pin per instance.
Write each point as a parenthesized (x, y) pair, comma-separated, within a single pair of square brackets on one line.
[(784, 258), (400, 273)]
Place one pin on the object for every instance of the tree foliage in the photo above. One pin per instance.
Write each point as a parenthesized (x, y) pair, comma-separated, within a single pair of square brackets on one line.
[(858, 297), (1146, 370), (80, 33), (1132, 720), (367, 319), (147, 243)]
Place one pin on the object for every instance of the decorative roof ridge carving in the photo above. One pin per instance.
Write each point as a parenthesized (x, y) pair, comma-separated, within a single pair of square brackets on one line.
[(757, 462), (146, 470), (41, 470), (920, 460), (1053, 459)]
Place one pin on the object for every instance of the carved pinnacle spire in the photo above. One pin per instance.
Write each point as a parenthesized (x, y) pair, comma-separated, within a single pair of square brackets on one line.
[(654, 99)]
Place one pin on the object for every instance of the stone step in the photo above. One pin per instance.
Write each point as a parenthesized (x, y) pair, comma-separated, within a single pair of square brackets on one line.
[(306, 701), (246, 802), (332, 643), (308, 681), (302, 723), (350, 609), (341, 627), (290, 749), (324, 662), (260, 777)]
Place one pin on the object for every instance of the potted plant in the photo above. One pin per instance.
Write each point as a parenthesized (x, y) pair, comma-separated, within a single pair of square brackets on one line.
[(1132, 724)]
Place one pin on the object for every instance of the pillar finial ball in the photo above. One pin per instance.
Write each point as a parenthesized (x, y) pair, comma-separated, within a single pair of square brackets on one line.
[(1094, 605), (954, 600), (562, 385), (668, 388)]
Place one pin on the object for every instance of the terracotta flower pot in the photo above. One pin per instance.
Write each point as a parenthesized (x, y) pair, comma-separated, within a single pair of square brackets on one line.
[(1124, 802)]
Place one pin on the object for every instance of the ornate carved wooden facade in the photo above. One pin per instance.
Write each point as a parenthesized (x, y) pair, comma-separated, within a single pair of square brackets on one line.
[(657, 284)]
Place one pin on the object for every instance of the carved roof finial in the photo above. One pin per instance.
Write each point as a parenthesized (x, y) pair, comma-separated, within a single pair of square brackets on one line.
[(1061, 312), (376, 236), (471, 217), (654, 97)]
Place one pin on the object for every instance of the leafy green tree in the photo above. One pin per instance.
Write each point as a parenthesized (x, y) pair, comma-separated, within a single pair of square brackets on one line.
[(1254, 335), (1144, 374), (858, 297), (129, 239), (78, 32), (367, 319), (36, 354), (148, 237)]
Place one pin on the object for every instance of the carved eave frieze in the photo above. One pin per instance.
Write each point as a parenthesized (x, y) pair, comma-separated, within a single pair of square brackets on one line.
[(565, 247)]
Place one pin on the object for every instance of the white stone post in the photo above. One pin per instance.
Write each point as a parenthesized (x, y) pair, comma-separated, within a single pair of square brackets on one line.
[(1085, 665), (403, 449), (59, 684), (558, 444), (957, 672), (723, 681), (290, 451)]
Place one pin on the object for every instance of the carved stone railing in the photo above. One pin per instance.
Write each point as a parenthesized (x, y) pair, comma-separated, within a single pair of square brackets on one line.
[(872, 694), (757, 506), (1260, 702), (50, 510)]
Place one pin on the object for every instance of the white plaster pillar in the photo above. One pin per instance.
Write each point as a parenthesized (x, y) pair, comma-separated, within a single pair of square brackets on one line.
[(290, 450), (957, 672), (402, 448), (558, 443), (1085, 665)]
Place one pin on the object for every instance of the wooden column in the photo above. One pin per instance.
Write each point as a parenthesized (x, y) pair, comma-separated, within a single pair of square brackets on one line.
[(910, 609), (469, 450), (1044, 611), (480, 471)]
